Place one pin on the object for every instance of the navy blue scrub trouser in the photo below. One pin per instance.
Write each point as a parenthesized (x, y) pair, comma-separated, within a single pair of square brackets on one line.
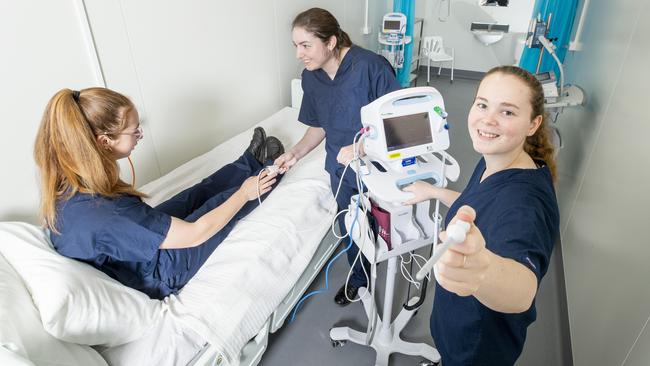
[(201, 198)]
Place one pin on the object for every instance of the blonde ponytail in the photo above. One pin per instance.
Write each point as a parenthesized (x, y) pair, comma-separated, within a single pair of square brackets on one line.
[(66, 150)]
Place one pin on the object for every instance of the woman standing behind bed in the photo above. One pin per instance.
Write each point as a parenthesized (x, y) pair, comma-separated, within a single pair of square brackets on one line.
[(486, 298), (339, 78), (95, 217)]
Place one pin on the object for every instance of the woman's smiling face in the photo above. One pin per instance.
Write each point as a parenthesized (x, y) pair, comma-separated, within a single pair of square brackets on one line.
[(311, 50), (500, 118)]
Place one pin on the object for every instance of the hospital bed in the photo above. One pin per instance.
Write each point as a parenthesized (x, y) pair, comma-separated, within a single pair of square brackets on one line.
[(223, 316)]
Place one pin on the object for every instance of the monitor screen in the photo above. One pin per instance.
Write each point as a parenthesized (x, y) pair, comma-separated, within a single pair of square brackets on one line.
[(392, 24), (407, 131)]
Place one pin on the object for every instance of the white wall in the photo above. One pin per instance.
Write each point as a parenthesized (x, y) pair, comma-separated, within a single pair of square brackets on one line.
[(197, 76), (470, 54), (43, 50), (603, 192)]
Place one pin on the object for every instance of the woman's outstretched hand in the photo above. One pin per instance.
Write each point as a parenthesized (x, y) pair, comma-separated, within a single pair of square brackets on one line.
[(249, 187), (285, 161), (463, 267)]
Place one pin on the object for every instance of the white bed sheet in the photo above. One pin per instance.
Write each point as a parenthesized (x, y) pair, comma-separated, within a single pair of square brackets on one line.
[(237, 289)]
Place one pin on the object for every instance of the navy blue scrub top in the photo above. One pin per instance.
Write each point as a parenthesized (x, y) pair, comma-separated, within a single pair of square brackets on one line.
[(335, 105), (517, 213), (119, 236)]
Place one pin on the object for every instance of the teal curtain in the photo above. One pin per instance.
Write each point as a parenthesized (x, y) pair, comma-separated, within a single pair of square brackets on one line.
[(564, 13), (406, 7)]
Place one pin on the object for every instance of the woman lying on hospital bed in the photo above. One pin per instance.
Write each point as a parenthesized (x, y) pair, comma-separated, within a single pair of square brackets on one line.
[(95, 217)]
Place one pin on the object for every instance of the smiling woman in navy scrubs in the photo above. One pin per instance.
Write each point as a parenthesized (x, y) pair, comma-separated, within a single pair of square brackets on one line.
[(339, 78), (485, 300)]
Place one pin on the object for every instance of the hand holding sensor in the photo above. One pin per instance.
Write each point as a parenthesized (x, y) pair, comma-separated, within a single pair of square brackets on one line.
[(456, 234)]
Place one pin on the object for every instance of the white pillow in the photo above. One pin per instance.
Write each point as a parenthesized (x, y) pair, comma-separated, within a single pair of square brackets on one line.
[(77, 303), (22, 337)]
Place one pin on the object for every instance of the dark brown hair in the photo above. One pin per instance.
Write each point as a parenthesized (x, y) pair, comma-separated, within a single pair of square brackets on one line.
[(322, 24), (539, 145)]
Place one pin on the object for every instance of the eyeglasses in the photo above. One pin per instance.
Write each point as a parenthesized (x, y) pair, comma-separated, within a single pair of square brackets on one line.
[(138, 134)]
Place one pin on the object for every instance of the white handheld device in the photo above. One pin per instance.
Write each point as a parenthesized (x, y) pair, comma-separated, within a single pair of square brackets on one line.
[(456, 233)]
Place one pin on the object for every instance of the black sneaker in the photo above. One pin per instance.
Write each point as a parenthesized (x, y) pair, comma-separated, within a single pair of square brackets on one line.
[(257, 146), (340, 297), (274, 148)]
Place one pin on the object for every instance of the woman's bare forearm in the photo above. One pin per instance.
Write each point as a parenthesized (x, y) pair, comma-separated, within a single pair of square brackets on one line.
[(183, 234), (312, 138)]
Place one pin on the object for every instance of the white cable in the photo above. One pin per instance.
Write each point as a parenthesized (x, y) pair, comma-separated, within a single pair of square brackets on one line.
[(259, 176), (347, 279), (338, 188), (362, 203), (334, 222), (407, 276), (341, 180), (270, 169), (336, 194)]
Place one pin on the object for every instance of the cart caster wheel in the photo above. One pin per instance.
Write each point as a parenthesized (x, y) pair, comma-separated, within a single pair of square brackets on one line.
[(337, 344)]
